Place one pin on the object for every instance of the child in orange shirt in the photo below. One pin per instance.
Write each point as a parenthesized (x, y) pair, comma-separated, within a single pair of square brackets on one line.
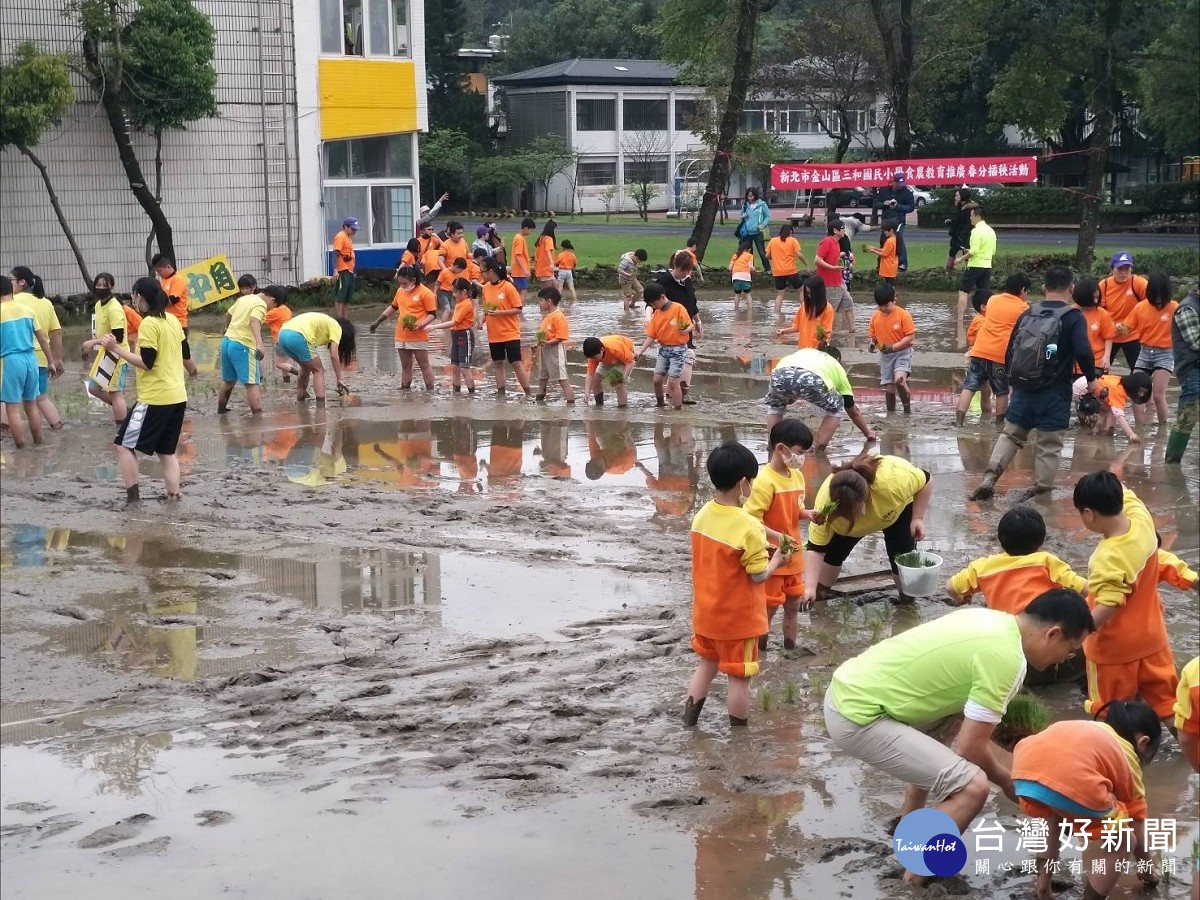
[(1011, 580), (462, 338), (893, 332), (520, 271), (889, 262), (564, 270), (979, 301), (1129, 653), (669, 326), (609, 362), (552, 338), (277, 314), (777, 498), (418, 310), (1107, 408), (730, 564), (813, 322), (1151, 324), (445, 286), (1100, 326), (741, 267)]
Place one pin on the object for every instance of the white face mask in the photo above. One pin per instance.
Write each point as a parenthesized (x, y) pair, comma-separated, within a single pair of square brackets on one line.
[(795, 460)]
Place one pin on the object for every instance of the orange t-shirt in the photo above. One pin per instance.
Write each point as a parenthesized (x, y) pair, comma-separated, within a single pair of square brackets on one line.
[(453, 250), (1100, 772), (431, 260), (543, 258), (617, 459), (1011, 583), (473, 273), (889, 262), (782, 253), (520, 257), (502, 295), (890, 328), (175, 287), (417, 303), (446, 279), (806, 328), (728, 546), (741, 263), (463, 318), (664, 326), (555, 326), (618, 350), (407, 258), (1002, 313), (275, 319), (1152, 326), (1120, 299), (566, 260), (973, 330), (1117, 398), (1100, 329), (1123, 572), (133, 321), (343, 246)]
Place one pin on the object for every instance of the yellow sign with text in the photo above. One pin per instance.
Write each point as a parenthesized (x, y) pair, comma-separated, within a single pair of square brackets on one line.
[(209, 281)]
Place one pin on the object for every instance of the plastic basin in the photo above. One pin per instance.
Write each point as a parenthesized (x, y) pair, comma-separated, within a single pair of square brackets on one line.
[(919, 573)]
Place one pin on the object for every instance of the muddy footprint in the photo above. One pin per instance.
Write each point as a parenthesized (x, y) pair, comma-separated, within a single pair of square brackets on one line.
[(118, 831), (213, 817)]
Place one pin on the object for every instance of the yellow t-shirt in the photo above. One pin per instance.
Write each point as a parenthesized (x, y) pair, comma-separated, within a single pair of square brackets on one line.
[(897, 482), (317, 328), (44, 318), (251, 307), (1187, 698), (163, 385), (109, 316)]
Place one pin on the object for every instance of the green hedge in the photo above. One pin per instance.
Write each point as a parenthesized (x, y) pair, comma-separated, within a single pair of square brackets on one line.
[(1167, 198), (1168, 202)]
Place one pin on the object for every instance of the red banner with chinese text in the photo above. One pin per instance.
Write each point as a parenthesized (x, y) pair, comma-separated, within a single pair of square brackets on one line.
[(917, 172)]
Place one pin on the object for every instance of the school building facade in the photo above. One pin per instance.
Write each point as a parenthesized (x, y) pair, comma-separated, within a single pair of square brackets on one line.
[(630, 120), (320, 104)]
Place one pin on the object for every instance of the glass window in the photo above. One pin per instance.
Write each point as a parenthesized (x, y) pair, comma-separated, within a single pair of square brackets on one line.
[(596, 174), (380, 12), (596, 115), (752, 117), (337, 159), (400, 23), (645, 115), (341, 202), (380, 157), (331, 26), (391, 214), (685, 114), (653, 171), (352, 23)]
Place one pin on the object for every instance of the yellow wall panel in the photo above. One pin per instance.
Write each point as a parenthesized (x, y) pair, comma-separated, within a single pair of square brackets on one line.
[(364, 97)]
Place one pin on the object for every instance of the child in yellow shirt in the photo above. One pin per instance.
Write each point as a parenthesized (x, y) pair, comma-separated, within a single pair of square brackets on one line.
[(552, 338), (777, 498)]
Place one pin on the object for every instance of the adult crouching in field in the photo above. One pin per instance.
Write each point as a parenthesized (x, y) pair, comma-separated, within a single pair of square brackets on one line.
[(815, 376), (866, 495), (892, 705), (299, 339)]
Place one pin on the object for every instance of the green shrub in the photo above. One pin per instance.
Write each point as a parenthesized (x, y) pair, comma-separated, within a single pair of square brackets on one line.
[(1170, 197)]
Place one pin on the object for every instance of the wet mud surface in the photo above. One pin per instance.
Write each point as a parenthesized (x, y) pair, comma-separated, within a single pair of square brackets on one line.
[(430, 646)]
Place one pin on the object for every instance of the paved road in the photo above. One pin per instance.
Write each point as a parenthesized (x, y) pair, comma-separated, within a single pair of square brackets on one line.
[(914, 235)]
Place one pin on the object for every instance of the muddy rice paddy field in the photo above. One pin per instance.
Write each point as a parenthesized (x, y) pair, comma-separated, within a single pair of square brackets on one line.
[(420, 645)]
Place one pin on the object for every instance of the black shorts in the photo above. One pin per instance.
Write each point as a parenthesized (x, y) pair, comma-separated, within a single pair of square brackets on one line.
[(187, 349), (506, 350), (975, 279), (152, 429), (897, 539), (1130, 350), (462, 348), (783, 282)]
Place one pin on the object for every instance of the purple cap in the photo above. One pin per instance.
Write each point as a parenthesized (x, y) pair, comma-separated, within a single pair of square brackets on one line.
[(481, 231), (898, 176), (1121, 258), (350, 222)]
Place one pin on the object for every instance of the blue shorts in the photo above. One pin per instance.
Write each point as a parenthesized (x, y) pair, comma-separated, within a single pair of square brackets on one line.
[(741, 287), (670, 360), (238, 363), (43, 380), (19, 377), (293, 345), (522, 283), (1038, 792)]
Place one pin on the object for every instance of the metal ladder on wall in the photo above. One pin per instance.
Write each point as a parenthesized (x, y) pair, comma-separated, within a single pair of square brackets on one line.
[(277, 124)]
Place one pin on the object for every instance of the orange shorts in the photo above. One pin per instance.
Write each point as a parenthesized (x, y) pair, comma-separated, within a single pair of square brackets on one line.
[(738, 659), (780, 587), (1153, 678)]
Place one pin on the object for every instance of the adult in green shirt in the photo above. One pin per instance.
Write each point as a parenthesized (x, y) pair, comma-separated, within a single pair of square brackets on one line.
[(818, 377), (977, 276), (884, 705)]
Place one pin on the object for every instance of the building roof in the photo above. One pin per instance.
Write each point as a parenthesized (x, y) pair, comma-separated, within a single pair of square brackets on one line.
[(638, 72)]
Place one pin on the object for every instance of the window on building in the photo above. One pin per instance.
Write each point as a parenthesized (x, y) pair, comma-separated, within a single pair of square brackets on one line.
[(644, 115), (653, 171), (362, 27), (385, 211), (597, 174), (752, 117), (379, 157), (595, 115), (686, 112)]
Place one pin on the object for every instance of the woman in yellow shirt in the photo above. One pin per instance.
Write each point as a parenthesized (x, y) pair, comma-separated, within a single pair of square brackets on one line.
[(106, 378), (156, 420), (299, 338)]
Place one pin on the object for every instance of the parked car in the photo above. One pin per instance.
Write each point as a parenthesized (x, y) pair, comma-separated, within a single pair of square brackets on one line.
[(852, 197), (922, 196)]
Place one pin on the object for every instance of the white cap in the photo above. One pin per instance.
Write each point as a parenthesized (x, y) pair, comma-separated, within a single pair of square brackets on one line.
[(424, 209)]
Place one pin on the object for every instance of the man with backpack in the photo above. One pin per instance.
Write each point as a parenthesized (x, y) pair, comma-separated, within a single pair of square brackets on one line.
[(1047, 342)]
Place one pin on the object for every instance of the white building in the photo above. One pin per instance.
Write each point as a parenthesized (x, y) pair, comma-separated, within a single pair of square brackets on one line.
[(621, 114), (320, 103)]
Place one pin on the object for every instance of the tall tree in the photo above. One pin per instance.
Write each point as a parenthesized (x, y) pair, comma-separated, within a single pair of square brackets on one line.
[(451, 103), (1074, 78), (35, 91), (894, 20), (547, 32), (1170, 90), (122, 58), (645, 155), (696, 35), (544, 158)]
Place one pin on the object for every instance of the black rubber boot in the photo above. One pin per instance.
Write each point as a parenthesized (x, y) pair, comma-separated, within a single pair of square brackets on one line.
[(599, 398), (890, 401), (691, 711), (762, 642), (738, 723), (789, 644)]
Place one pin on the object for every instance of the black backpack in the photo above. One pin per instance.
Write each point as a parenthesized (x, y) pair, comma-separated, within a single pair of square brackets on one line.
[(1035, 361)]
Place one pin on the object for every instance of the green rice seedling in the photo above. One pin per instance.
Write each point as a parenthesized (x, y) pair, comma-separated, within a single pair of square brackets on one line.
[(614, 377), (409, 322), (816, 683), (915, 560), (541, 337), (1026, 715), (790, 689), (764, 699)]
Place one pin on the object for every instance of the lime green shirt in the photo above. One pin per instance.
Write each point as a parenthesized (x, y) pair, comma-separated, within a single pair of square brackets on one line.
[(982, 247), (969, 661), (820, 364)]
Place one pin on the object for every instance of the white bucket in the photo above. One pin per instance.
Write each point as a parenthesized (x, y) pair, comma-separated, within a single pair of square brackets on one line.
[(919, 573)]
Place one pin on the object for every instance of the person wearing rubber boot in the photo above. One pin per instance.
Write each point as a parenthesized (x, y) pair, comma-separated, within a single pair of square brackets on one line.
[(1046, 343), (1185, 344)]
